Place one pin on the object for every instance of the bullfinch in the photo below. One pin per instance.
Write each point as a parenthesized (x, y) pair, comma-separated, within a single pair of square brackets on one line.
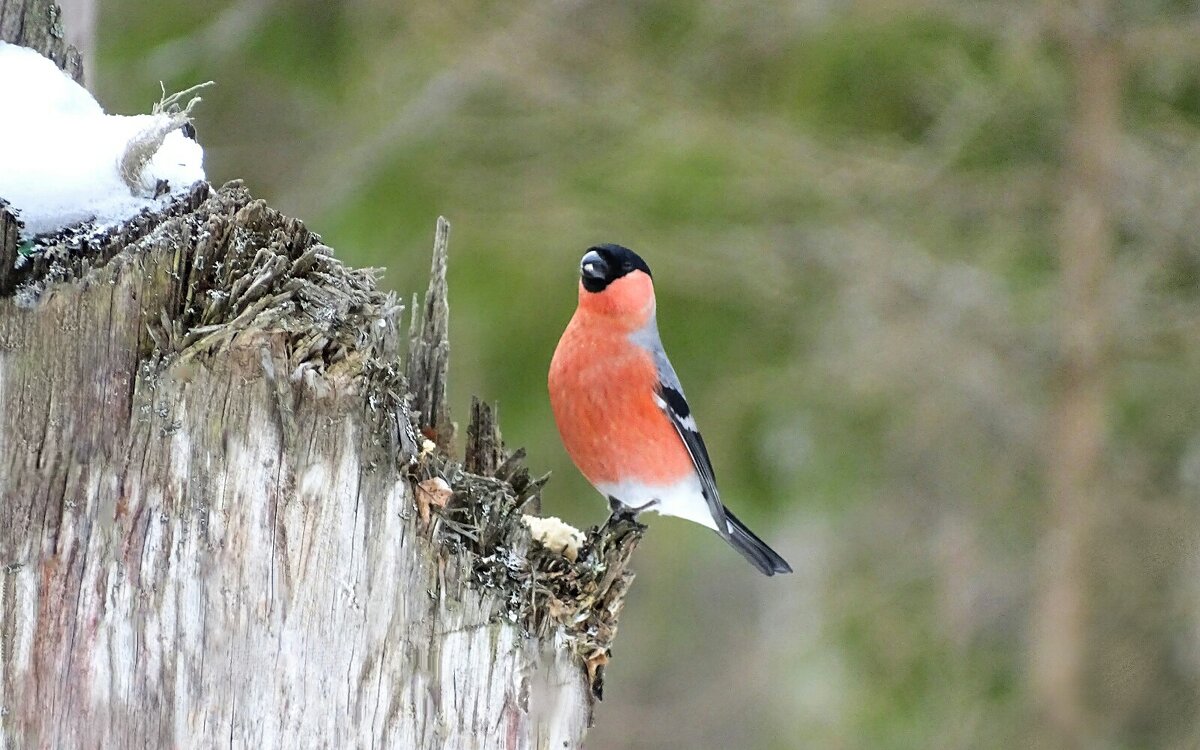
[(621, 411)]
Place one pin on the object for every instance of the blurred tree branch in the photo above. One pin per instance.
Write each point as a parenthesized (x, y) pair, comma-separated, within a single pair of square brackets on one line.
[(1078, 423)]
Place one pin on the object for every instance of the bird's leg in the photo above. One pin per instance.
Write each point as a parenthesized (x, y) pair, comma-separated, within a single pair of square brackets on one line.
[(621, 510), (623, 519)]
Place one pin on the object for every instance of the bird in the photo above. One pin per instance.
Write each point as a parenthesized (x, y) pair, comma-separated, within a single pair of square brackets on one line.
[(621, 412)]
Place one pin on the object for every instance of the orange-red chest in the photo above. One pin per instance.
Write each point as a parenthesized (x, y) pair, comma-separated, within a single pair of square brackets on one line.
[(602, 391)]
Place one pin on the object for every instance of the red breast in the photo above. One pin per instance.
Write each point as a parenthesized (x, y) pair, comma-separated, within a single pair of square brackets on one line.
[(602, 391)]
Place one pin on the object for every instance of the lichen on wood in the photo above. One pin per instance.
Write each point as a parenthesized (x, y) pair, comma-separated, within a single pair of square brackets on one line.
[(541, 589), (38, 24)]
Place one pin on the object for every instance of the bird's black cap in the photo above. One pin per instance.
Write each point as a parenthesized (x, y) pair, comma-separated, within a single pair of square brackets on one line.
[(603, 264)]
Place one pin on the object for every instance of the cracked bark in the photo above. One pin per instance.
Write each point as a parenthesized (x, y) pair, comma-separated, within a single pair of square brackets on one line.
[(207, 529)]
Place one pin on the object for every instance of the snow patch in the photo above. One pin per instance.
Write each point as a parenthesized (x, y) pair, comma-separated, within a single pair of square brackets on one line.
[(68, 162)]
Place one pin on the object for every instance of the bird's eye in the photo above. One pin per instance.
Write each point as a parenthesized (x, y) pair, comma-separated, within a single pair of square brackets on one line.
[(626, 266)]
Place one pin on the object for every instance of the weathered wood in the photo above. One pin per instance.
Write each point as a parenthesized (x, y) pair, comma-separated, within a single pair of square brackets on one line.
[(38, 24), (486, 455), (207, 523), (429, 349), (485, 448), (10, 241)]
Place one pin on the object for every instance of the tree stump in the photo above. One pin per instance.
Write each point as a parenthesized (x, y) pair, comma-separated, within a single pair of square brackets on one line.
[(213, 474)]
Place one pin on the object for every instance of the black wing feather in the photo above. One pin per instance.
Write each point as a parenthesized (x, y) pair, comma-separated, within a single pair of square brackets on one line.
[(729, 527), (676, 407)]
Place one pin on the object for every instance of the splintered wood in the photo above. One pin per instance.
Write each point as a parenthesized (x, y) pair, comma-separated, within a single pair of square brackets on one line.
[(484, 524), (429, 349)]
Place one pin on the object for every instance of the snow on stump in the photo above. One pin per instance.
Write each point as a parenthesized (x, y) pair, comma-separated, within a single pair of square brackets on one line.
[(67, 162)]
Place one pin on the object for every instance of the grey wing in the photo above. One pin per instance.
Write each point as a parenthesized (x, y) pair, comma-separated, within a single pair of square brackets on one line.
[(673, 403)]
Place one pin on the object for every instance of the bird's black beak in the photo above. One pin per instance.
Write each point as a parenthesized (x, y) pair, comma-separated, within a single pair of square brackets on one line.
[(593, 270)]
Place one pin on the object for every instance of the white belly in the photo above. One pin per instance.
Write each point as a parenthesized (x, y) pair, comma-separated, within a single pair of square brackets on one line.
[(683, 499)]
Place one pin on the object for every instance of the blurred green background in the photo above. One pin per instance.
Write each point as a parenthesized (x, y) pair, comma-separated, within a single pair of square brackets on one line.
[(929, 271)]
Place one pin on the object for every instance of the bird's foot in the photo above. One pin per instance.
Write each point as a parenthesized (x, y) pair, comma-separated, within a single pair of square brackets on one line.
[(621, 511)]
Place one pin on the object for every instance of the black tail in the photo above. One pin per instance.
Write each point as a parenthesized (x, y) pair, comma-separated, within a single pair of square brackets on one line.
[(754, 549)]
